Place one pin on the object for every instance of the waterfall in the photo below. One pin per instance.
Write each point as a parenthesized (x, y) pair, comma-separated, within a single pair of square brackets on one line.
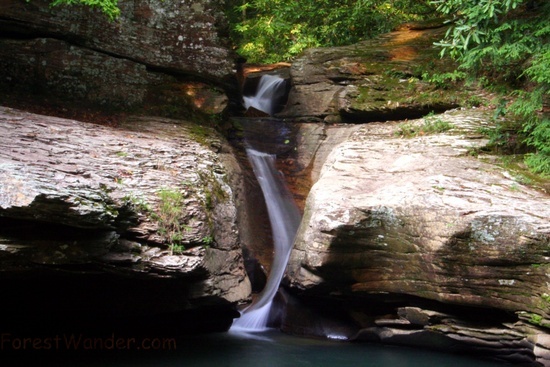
[(271, 88), (284, 218)]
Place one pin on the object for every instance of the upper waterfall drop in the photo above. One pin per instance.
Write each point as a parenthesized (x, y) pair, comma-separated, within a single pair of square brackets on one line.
[(271, 90)]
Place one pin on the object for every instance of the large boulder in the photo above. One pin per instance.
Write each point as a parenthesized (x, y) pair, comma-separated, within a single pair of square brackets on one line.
[(116, 223), (77, 53), (426, 221)]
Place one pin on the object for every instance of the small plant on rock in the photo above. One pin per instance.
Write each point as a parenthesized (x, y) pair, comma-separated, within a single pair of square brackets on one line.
[(431, 125), (170, 217)]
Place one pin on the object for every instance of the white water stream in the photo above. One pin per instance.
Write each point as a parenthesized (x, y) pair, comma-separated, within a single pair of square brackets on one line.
[(284, 217), (270, 88)]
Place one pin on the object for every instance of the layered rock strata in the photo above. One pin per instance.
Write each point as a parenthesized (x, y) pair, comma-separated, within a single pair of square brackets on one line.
[(147, 210), (430, 221), (147, 55)]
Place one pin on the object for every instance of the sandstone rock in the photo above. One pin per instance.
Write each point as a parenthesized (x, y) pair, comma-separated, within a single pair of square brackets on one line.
[(184, 36), (418, 316), (374, 80), (402, 221), (254, 112), (152, 52), (542, 348), (500, 344), (88, 198), (446, 218)]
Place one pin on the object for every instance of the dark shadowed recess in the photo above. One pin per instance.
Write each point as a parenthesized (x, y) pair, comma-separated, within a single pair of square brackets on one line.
[(90, 296)]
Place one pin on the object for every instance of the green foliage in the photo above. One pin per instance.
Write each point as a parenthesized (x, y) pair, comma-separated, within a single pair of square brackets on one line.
[(431, 125), (537, 124), (505, 134), (475, 23), (271, 31), (177, 249), (170, 217), (137, 204), (474, 101), (444, 80), (507, 41), (539, 137), (108, 7), (502, 139), (207, 241)]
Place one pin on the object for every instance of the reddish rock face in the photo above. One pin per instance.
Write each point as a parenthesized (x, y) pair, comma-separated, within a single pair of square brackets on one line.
[(78, 53)]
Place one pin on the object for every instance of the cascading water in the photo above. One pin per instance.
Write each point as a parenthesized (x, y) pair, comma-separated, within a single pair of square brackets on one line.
[(284, 215), (285, 219), (270, 89)]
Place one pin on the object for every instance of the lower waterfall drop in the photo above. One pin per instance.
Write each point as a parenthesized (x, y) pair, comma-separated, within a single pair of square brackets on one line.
[(284, 217)]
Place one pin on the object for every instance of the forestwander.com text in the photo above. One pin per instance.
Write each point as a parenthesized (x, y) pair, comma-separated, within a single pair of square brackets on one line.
[(75, 342)]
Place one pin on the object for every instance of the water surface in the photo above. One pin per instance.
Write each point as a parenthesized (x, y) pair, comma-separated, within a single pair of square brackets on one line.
[(274, 349)]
